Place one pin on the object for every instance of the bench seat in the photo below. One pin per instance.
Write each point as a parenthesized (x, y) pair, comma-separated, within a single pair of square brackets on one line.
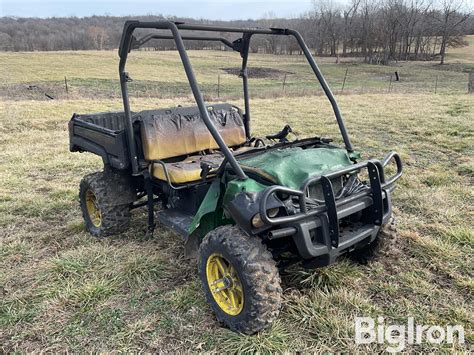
[(180, 139), (187, 170)]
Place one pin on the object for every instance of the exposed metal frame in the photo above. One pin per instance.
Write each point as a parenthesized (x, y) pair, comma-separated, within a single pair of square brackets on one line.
[(128, 42)]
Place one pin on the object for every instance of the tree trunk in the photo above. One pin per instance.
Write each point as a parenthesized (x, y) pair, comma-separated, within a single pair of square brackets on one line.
[(442, 52)]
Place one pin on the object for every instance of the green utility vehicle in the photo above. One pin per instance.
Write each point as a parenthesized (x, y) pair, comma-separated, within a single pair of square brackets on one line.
[(247, 207)]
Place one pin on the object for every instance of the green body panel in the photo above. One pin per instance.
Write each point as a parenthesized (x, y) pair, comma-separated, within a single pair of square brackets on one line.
[(287, 167), (208, 205), (210, 213), (290, 167), (235, 187), (355, 155)]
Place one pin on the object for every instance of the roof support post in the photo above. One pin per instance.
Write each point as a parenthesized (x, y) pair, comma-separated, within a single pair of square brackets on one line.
[(244, 53), (325, 86), (200, 102)]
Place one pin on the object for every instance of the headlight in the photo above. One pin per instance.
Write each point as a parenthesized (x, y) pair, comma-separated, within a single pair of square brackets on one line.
[(257, 219)]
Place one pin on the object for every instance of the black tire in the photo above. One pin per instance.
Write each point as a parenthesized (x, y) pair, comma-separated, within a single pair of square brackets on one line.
[(380, 247), (113, 195), (258, 276)]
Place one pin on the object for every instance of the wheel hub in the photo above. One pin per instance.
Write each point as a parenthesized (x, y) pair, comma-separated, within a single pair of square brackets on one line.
[(93, 209), (224, 284)]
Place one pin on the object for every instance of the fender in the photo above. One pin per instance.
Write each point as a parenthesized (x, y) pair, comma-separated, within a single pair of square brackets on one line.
[(205, 219)]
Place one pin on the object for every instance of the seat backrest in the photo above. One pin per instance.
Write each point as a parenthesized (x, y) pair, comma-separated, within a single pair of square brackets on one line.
[(181, 131)]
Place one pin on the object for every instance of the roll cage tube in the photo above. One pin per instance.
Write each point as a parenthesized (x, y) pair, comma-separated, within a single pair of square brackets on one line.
[(125, 45), (128, 42), (241, 45), (138, 43)]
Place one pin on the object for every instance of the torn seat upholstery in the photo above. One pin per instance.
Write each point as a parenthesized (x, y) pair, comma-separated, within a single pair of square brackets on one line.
[(181, 133)]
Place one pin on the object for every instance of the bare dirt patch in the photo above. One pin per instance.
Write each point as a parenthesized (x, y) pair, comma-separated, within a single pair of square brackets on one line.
[(258, 72)]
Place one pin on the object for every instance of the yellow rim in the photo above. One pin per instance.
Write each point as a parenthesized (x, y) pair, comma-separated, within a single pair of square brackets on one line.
[(224, 284), (93, 209)]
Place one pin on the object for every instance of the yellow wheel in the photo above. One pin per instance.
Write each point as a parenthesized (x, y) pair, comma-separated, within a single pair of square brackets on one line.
[(93, 209), (105, 200), (224, 284), (240, 279)]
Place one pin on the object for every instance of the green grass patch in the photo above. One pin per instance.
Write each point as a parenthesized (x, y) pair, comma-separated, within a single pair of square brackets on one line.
[(457, 110)]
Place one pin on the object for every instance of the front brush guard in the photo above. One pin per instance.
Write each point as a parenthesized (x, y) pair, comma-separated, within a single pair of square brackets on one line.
[(378, 184)]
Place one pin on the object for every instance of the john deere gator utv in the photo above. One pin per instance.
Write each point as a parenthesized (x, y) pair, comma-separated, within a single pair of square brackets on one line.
[(246, 206)]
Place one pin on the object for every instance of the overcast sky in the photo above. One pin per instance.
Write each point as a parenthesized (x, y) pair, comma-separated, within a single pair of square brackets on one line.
[(209, 9)]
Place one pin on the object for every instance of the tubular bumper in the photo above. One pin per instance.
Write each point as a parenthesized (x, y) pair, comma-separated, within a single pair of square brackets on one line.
[(325, 217)]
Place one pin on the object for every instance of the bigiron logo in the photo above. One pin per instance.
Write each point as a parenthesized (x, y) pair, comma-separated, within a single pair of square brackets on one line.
[(397, 336)]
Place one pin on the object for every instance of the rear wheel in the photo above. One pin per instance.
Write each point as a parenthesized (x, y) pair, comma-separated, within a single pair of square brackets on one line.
[(105, 203), (240, 279)]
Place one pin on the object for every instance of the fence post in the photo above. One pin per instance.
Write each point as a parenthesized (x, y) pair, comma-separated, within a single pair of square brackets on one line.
[(470, 85), (436, 84), (284, 81), (218, 85), (65, 83), (344, 81)]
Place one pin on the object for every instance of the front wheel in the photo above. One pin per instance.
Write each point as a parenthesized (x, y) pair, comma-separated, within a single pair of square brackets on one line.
[(240, 279)]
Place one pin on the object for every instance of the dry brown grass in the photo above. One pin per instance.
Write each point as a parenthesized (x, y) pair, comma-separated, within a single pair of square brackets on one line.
[(462, 54), (94, 74), (62, 290)]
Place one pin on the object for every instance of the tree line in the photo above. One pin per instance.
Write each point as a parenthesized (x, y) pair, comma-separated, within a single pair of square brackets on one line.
[(378, 31), (381, 31)]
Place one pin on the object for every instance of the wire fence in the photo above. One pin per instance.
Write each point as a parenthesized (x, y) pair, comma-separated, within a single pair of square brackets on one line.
[(229, 86)]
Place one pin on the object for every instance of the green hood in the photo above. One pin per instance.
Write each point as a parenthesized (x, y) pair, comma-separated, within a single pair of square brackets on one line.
[(291, 166)]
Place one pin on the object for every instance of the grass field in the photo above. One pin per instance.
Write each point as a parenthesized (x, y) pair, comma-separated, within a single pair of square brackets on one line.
[(94, 74), (462, 54), (61, 289)]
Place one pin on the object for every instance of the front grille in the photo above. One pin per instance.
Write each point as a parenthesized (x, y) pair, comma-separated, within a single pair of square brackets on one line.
[(315, 191), (342, 186)]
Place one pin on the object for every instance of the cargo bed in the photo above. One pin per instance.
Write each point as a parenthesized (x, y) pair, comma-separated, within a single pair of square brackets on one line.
[(102, 134)]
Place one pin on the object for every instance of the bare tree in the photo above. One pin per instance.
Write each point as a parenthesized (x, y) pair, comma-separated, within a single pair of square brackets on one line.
[(98, 36), (328, 15), (367, 36), (380, 31), (450, 20), (348, 34)]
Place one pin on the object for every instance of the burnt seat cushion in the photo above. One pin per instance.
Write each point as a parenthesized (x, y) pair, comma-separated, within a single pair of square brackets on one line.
[(187, 170), (180, 131)]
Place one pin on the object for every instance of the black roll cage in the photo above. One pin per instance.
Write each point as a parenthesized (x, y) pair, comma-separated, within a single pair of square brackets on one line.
[(241, 45)]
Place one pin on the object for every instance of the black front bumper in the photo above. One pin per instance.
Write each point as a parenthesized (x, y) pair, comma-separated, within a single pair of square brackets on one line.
[(313, 237), (318, 232)]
